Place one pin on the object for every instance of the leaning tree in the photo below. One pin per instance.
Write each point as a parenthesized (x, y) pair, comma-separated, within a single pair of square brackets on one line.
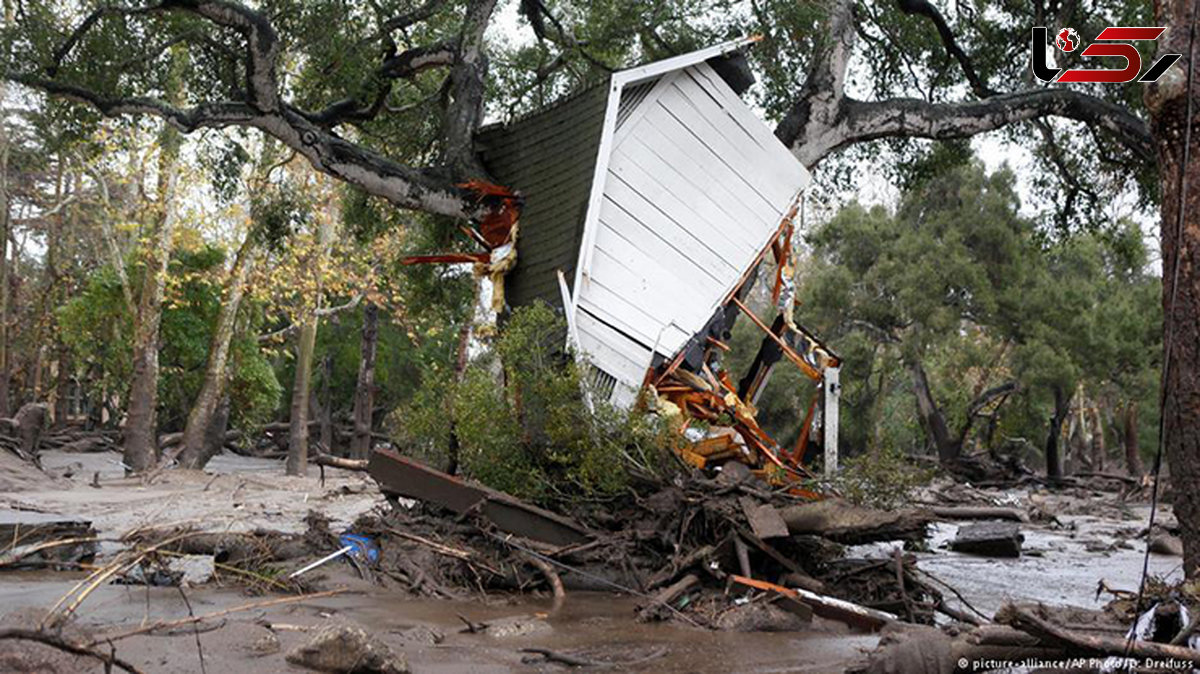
[(387, 96)]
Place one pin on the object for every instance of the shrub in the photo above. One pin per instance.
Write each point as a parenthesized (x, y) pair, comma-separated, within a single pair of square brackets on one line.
[(528, 427), (883, 477)]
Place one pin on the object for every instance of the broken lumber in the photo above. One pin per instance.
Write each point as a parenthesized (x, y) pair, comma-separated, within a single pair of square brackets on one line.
[(978, 513), (35, 539), (827, 607), (843, 522), (765, 520), (339, 462), (665, 596), (400, 475), (992, 539), (1090, 644)]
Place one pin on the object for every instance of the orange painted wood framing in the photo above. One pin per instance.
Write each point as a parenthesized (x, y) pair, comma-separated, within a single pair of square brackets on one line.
[(787, 350)]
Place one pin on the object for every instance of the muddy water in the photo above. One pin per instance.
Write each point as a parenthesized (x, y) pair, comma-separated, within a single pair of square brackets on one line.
[(592, 625), (1059, 565)]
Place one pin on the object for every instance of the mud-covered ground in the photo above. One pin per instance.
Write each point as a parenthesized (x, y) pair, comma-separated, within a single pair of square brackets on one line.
[(1094, 538)]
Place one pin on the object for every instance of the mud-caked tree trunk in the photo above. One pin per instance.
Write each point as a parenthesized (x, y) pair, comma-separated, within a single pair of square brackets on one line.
[(932, 419), (364, 390), (1177, 144), (5, 211), (297, 458), (196, 449), (141, 445), (1054, 469), (1129, 440), (1099, 447), (141, 436)]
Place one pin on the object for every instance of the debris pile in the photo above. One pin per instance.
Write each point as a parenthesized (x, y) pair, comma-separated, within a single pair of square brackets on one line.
[(697, 551)]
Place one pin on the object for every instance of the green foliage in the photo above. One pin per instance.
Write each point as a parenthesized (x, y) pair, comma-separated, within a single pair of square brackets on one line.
[(98, 327), (883, 478), (957, 281), (535, 436)]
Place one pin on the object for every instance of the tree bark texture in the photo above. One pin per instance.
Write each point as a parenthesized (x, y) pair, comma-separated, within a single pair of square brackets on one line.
[(1062, 402), (364, 391), (1129, 440), (196, 451), (141, 445), (1177, 144), (5, 224), (931, 416), (297, 458)]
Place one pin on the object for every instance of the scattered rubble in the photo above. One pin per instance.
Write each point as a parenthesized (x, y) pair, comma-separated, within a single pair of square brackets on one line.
[(993, 539), (347, 649)]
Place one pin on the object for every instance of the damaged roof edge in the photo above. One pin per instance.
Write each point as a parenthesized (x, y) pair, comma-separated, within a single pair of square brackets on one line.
[(616, 84)]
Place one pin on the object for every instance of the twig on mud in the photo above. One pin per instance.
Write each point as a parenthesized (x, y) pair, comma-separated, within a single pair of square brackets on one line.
[(195, 628), (98, 578), (14, 555), (575, 661), (441, 548), (168, 624), (55, 641), (471, 627), (552, 578), (956, 593), (600, 579)]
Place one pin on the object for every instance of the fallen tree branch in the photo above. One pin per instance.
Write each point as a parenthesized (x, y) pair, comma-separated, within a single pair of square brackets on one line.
[(171, 624), (55, 641), (1089, 644), (552, 578), (17, 554), (978, 513)]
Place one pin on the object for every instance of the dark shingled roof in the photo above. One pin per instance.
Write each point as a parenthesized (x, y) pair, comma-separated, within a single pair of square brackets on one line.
[(549, 157)]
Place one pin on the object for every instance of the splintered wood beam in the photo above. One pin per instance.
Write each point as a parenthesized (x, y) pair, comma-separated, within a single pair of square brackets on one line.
[(787, 350)]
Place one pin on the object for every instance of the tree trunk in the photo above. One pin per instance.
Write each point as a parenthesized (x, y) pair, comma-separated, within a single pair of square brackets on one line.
[(1129, 438), (364, 391), (62, 387), (196, 450), (297, 459), (5, 223), (141, 436), (931, 416), (325, 408), (1054, 469), (215, 434), (1178, 162), (1099, 448)]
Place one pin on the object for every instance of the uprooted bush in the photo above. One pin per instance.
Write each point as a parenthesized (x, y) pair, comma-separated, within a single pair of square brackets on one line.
[(884, 477), (522, 419)]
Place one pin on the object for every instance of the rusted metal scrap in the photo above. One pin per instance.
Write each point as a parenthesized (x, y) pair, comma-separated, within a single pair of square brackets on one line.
[(402, 476)]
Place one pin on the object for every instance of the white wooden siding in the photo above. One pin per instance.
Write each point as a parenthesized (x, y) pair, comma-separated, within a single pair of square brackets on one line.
[(693, 187)]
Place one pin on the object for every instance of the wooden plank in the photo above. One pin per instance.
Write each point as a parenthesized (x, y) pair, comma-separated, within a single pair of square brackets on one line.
[(714, 176), (627, 211), (656, 193), (613, 309), (652, 292), (788, 168), (603, 352), (634, 244), (720, 136), (725, 231)]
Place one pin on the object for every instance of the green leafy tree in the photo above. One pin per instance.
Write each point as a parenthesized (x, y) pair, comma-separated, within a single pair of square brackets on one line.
[(97, 326)]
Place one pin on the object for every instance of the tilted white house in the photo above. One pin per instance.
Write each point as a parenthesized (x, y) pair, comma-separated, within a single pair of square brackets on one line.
[(649, 199)]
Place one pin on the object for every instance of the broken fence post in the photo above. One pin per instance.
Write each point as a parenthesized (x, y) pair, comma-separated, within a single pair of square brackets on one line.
[(833, 392)]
